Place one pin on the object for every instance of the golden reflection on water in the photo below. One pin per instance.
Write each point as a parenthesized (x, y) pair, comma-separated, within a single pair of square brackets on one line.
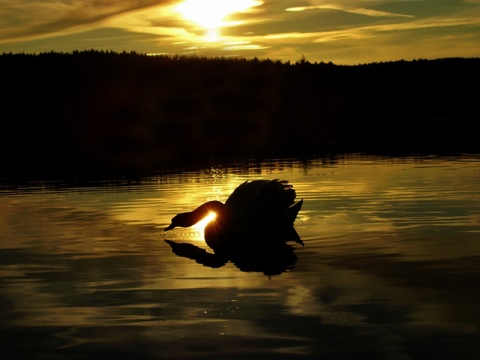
[(391, 248)]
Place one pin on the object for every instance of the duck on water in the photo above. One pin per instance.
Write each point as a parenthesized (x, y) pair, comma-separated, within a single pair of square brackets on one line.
[(256, 219)]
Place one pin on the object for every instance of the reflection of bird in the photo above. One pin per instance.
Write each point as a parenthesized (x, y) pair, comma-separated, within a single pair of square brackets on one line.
[(273, 260), (259, 213)]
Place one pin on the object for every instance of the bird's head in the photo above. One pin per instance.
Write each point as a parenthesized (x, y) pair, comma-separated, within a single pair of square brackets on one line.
[(182, 220)]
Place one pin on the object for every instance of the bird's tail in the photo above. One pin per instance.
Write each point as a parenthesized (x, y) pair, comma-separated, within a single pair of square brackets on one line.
[(292, 212)]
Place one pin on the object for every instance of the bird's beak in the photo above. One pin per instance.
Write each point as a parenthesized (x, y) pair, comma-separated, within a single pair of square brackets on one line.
[(169, 227)]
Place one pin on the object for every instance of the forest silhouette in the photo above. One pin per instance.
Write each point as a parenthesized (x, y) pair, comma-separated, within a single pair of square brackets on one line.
[(97, 111)]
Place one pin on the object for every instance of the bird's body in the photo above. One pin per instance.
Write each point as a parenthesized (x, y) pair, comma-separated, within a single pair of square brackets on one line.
[(257, 213)]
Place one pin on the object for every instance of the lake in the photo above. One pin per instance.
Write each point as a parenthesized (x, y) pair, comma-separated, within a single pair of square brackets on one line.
[(389, 270)]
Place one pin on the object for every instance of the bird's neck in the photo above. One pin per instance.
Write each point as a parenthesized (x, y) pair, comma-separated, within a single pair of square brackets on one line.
[(203, 210)]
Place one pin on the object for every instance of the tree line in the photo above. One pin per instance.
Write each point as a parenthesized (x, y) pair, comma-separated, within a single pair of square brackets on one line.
[(93, 110)]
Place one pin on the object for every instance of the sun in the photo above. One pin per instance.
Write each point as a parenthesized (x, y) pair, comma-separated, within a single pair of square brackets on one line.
[(212, 15)]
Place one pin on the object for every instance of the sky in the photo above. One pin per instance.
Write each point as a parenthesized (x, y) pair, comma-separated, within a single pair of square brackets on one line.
[(343, 31)]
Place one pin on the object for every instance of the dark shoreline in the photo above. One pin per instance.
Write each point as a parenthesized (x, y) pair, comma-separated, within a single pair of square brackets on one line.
[(100, 112)]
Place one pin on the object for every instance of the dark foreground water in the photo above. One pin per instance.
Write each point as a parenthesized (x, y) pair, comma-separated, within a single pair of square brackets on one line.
[(390, 267)]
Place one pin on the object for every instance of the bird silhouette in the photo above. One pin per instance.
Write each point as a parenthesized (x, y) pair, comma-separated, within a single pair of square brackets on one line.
[(251, 228), (262, 211)]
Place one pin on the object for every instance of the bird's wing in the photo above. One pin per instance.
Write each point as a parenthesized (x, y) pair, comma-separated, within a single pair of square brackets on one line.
[(264, 200), (243, 195)]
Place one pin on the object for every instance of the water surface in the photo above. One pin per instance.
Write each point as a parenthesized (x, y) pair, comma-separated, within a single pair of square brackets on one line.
[(389, 269)]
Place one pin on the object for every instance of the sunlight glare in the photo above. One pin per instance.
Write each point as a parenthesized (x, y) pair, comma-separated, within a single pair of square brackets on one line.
[(212, 14), (202, 223)]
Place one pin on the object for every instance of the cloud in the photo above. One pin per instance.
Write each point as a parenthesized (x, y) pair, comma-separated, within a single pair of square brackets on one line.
[(369, 31), (361, 11), (30, 19), (244, 47)]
